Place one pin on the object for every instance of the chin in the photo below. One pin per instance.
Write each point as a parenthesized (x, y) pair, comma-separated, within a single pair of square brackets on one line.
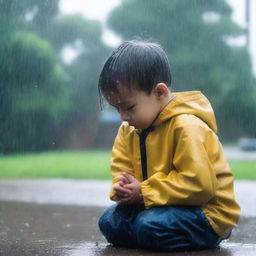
[(138, 127), (134, 125)]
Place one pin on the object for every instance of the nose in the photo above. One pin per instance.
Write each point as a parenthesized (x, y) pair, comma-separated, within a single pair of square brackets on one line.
[(124, 116)]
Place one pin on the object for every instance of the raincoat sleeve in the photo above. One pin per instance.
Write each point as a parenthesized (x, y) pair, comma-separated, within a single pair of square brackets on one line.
[(192, 181), (120, 160)]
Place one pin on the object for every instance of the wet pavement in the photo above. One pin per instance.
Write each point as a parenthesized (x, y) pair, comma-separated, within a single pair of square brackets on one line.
[(235, 153), (93, 193), (59, 217)]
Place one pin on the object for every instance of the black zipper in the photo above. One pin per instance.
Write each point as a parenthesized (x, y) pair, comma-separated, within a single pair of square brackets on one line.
[(143, 135)]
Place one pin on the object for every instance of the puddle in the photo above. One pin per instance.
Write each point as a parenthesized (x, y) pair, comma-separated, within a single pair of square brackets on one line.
[(87, 248), (56, 230), (238, 245), (103, 249)]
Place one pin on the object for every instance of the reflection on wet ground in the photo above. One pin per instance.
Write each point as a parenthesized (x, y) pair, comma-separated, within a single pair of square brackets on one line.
[(226, 249), (33, 230)]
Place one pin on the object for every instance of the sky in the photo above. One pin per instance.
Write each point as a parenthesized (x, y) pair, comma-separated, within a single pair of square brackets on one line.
[(239, 17), (95, 9), (99, 9)]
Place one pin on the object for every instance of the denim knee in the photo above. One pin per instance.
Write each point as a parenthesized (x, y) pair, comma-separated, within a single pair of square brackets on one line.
[(116, 224), (174, 228), (106, 224), (144, 231)]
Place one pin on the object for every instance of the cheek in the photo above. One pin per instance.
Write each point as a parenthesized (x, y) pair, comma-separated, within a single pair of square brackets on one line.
[(148, 113), (144, 114)]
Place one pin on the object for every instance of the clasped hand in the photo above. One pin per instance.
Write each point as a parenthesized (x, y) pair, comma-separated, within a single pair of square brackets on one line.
[(127, 190)]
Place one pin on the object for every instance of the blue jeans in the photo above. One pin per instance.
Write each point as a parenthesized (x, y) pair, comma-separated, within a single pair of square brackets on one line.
[(167, 228)]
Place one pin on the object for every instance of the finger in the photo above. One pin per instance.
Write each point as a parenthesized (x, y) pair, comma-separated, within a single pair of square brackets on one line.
[(124, 178), (129, 177), (129, 186), (123, 181), (122, 195), (122, 190)]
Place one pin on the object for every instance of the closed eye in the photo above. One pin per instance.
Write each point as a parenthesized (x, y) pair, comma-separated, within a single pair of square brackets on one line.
[(130, 108)]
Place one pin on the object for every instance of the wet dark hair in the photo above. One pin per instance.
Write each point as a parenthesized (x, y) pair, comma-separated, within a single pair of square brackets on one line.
[(137, 64)]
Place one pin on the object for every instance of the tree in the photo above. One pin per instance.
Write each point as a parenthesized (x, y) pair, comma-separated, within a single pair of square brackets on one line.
[(31, 81), (81, 122), (195, 35), (44, 101), (79, 126)]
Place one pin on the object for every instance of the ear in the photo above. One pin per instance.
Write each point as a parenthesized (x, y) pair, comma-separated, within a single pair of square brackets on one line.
[(161, 90)]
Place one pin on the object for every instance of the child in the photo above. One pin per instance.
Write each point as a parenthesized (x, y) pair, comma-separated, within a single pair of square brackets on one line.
[(172, 182)]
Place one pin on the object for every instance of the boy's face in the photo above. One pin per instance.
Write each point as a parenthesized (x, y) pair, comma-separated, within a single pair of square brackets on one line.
[(136, 107)]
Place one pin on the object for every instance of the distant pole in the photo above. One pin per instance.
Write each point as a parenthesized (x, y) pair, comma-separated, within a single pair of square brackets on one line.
[(248, 22)]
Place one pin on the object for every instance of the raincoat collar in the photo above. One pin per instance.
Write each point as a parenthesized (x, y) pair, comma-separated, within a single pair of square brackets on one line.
[(190, 102)]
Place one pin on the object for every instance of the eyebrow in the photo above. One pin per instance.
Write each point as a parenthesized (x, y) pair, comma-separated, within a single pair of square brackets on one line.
[(122, 103)]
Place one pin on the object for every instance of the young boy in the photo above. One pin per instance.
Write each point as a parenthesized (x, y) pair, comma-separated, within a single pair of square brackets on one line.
[(172, 182)]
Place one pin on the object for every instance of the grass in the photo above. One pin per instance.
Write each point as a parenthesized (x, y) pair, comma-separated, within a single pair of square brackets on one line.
[(57, 164), (82, 165), (244, 170)]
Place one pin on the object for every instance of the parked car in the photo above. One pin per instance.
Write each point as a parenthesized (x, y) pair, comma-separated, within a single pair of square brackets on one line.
[(247, 144)]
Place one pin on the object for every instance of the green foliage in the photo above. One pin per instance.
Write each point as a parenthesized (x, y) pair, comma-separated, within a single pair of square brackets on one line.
[(31, 81), (84, 36), (33, 70), (42, 99), (68, 29), (194, 34)]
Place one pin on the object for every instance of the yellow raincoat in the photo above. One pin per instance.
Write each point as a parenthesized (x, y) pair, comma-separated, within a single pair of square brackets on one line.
[(185, 161)]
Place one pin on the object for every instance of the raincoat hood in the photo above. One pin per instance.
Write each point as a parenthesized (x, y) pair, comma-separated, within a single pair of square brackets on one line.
[(192, 102)]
